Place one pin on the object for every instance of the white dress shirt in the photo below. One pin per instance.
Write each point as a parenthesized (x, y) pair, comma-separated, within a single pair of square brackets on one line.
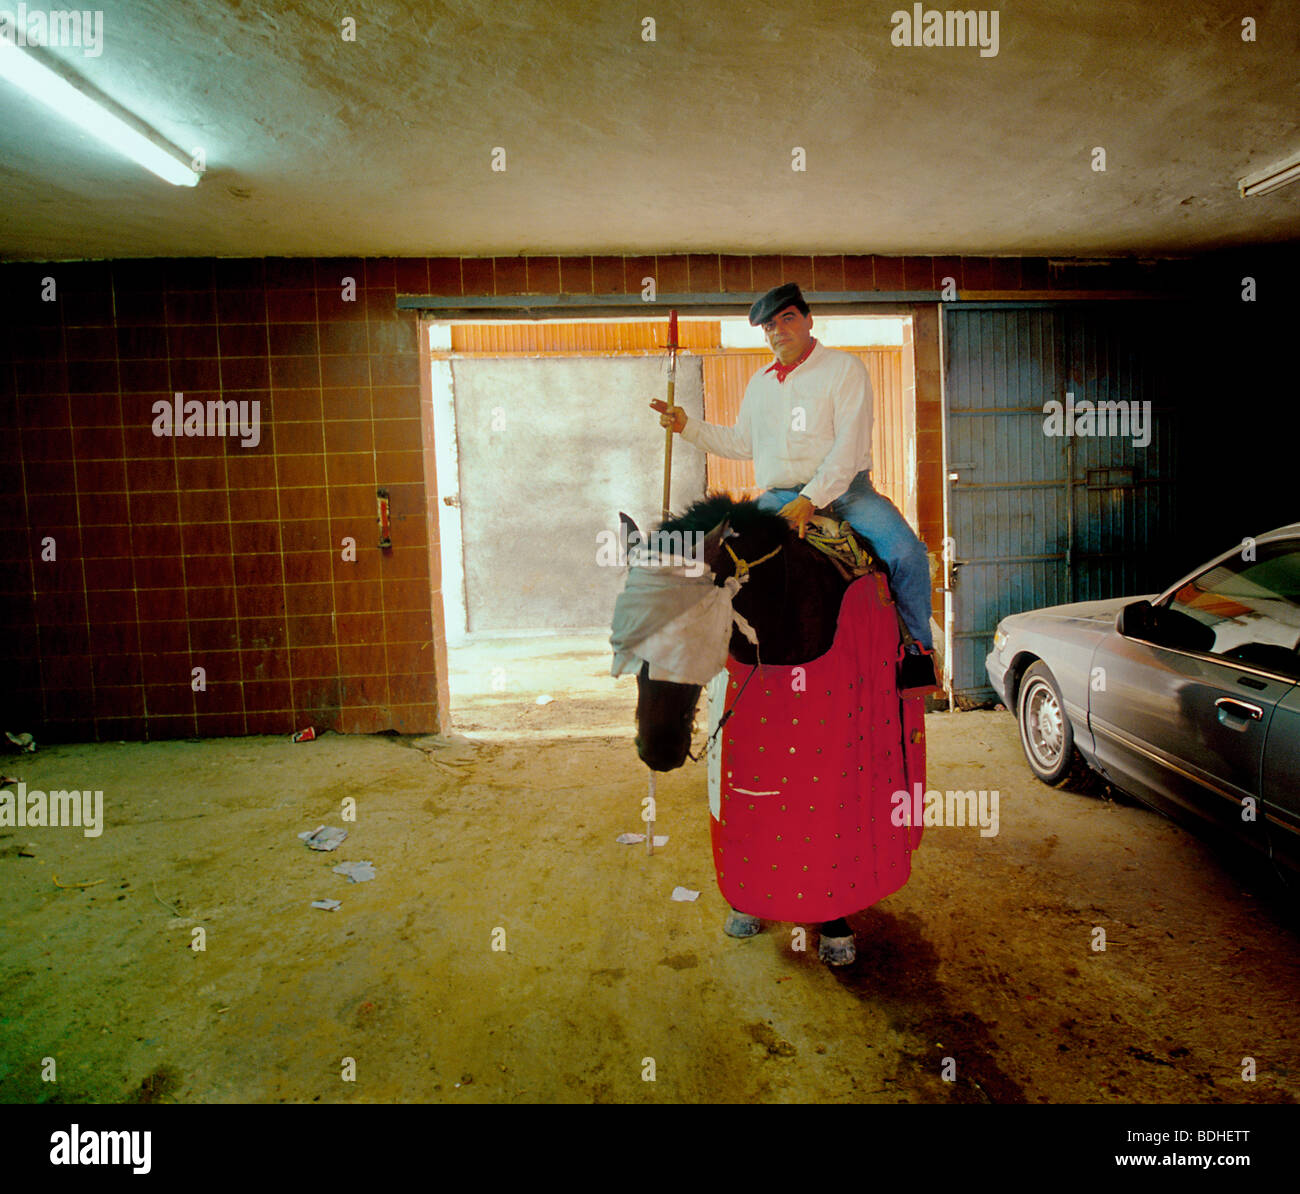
[(811, 432)]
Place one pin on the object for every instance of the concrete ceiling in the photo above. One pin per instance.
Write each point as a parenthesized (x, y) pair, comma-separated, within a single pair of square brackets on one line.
[(615, 144)]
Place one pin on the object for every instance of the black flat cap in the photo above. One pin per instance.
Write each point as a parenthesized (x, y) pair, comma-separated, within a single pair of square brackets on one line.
[(776, 299)]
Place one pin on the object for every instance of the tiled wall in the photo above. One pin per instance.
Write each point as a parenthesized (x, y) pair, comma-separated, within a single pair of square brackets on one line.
[(172, 553), (712, 273), (179, 552)]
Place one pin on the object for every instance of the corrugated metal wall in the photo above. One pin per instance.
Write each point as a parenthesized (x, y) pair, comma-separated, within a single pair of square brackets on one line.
[(893, 458), (1041, 520), (728, 372), (1124, 506), (725, 376)]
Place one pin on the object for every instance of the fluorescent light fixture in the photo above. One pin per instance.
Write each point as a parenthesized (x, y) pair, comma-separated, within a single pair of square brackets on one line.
[(1270, 178), (53, 90)]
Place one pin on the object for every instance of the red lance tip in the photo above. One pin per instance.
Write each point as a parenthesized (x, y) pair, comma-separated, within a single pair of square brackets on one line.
[(672, 329)]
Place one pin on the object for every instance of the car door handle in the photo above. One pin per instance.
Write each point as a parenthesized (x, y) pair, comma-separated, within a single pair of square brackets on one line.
[(1236, 708)]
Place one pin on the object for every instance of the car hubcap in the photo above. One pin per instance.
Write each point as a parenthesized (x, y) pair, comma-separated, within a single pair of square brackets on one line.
[(1043, 725)]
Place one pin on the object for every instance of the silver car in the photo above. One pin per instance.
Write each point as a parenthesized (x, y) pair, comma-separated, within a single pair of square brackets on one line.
[(1188, 700)]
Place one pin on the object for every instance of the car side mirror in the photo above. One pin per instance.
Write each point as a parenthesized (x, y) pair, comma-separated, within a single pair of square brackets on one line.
[(1164, 627), (1134, 620)]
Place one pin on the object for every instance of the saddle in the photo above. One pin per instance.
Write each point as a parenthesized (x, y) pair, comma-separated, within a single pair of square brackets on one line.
[(842, 545), (838, 542)]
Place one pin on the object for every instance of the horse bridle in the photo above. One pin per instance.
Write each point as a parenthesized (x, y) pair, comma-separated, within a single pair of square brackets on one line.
[(743, 566), (741, 573)]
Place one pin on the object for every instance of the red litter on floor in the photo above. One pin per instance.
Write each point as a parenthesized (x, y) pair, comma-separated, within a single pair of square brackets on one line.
[(307, 735)]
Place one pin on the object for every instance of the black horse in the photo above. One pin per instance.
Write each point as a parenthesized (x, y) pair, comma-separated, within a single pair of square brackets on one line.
[(791, 598)]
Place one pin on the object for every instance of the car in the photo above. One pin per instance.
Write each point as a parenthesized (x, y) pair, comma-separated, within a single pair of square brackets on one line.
[(1187, 700)]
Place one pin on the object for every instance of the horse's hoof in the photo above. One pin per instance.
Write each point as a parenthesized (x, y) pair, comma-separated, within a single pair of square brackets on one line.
[(837, 951), (741, 924)]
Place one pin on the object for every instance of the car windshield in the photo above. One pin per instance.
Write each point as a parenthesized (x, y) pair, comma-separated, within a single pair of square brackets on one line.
[(1252, 602)]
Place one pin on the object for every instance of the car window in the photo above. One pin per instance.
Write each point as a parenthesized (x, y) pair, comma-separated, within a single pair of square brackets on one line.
[(1252, 605)]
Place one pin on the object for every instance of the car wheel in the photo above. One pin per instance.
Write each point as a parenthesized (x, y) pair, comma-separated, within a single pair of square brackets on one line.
[(1045, 731)]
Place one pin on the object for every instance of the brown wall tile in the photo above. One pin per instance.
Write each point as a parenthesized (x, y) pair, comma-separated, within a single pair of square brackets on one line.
[(673, 274), (889, 273), (477, 275), (704, 272), (736, 275), (195, 545)]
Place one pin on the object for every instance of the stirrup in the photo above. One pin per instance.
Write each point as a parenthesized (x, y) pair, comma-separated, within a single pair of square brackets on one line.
[(916, 674)]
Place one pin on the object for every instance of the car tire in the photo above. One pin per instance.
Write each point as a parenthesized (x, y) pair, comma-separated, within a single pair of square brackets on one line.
[(1046, 735)]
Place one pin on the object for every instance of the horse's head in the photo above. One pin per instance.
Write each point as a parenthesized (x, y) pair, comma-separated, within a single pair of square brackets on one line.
[(665, 719), (724, 537)]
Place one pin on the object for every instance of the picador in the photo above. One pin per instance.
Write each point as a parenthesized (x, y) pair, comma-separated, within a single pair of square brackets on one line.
[(805, 422)]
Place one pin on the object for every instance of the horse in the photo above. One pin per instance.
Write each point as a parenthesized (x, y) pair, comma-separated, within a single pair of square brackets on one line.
[(791, 599), (791, 595)]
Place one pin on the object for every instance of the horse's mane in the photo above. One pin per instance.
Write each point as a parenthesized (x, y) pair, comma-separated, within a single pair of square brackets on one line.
[(704, 514), (800, 574)]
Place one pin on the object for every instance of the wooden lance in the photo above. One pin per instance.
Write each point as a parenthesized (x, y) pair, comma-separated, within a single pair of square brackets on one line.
[(672, 385), (668, 480)]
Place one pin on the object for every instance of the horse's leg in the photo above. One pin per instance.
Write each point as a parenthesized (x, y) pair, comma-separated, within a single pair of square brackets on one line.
[(836, 947), (741, 924)]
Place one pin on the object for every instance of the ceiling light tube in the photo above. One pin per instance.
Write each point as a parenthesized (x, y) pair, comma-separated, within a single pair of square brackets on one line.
[(52, 89), (1270, 178)]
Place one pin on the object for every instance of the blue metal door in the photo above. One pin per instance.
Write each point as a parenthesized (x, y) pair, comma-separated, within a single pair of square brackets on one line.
[(1049, 504)]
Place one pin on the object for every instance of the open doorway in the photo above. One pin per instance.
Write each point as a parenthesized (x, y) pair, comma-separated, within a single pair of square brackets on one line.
[(543, 434)]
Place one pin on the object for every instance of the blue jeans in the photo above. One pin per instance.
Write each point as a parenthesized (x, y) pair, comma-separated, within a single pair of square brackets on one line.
[(893, 542)]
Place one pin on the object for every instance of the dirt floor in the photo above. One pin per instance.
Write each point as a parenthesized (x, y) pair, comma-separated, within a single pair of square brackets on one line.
[(504, 835)]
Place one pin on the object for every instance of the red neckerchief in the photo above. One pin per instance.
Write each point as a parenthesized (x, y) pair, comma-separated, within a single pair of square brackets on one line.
[(783, 371)]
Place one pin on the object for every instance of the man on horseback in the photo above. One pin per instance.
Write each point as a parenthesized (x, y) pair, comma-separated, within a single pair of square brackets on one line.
[(805, 421)]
